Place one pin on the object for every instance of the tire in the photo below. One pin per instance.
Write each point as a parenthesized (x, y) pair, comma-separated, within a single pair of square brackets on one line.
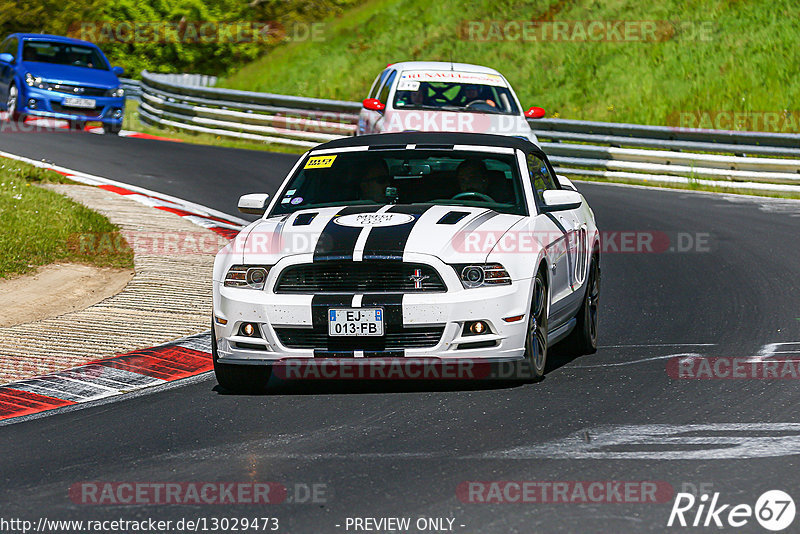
[(536, 338), (239, 378), (112, 129), (12, 103), (583, 338)]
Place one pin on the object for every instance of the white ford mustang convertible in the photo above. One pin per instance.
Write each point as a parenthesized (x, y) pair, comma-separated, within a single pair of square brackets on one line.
[(442, 246)]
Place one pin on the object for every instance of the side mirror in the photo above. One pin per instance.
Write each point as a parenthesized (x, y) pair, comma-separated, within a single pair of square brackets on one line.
[(119, 71), (6, 58), (566, 183), (254, 203), (560, 200), (535, 113), (374, 104)]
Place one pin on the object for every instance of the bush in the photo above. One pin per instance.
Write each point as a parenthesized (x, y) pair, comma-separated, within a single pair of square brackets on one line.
[(107, 24)]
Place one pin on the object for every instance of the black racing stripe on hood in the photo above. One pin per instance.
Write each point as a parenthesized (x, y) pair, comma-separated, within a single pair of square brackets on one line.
[(389, 242), (337, 242)]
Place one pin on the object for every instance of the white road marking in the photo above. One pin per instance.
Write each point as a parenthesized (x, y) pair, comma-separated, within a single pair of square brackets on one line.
[(771, 349), (686, 192), (90, 179), (657, 345), (209, 375), (713, 441), (617, 364)]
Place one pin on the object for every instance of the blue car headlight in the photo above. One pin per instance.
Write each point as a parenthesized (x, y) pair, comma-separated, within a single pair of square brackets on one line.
[(32, 80), (116, 93)]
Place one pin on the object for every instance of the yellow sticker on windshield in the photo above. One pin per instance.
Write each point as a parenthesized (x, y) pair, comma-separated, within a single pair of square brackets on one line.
[(319, 162)]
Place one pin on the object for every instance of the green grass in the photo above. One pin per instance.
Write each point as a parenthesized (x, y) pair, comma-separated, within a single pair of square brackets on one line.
[(131, 122), (39, 226), (747, 64)]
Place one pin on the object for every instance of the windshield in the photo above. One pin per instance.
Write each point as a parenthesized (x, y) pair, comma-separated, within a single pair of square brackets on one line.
[(63, 54), (454, 91), (455, 178)]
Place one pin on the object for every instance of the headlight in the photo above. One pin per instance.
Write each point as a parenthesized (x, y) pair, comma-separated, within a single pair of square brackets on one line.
[(32, 80), (116, 93), (247, 276), (482, 274)]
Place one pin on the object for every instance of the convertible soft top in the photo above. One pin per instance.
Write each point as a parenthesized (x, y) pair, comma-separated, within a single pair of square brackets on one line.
[(439, 139)]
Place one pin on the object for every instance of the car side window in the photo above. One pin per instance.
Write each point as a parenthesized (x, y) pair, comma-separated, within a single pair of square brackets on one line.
[(541, 177), (9, 47), (387, 85), (376, 85)]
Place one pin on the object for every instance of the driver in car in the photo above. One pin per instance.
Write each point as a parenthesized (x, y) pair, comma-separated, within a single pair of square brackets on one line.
[(375, 181), (472, 180), (472, 93)]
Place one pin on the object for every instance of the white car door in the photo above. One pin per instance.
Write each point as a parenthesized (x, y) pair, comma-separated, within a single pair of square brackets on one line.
[(550, 230), (574, 225)]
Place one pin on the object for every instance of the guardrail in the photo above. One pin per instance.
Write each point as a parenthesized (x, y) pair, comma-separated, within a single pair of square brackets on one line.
[(132, 89), (746, 160), (281, 119)]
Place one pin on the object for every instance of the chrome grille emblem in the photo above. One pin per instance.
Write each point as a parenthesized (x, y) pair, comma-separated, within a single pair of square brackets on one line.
[(418, 278)]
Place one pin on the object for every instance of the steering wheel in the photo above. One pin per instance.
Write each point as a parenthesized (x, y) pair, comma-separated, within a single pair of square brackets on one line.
[(468, 194), (480, 104)]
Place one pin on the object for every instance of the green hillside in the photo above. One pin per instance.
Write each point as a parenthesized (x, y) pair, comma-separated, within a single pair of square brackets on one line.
[(705, 56)]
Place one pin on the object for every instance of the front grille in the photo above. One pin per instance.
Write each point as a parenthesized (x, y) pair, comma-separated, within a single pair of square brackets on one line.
[(84, 112), (405, 338), (81, 91), (359, 277)]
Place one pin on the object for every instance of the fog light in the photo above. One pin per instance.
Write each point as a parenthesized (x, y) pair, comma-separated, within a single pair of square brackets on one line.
[(32, 103), (478, 327), (117, 114), (248, 330), (475, 328)]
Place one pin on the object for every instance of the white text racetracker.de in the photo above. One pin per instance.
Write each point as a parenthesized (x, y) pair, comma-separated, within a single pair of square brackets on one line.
[(399, 524)]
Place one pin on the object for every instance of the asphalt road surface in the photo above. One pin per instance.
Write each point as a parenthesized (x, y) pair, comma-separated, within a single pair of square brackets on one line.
[(408, 449)]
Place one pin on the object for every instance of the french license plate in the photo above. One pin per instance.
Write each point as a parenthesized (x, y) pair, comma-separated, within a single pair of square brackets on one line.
[(73, 102), (355, 322)]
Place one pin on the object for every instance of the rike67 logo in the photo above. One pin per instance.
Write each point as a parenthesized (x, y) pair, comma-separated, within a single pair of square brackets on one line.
[(774, 510)]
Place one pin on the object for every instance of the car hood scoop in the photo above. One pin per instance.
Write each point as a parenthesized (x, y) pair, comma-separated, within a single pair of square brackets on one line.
[(367, 233)]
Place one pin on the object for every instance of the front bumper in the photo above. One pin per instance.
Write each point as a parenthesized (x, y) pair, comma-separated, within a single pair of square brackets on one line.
[(108, 110), (272, 312)]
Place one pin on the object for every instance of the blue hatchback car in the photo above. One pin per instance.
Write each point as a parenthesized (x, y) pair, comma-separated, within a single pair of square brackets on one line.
[(58, 77)]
